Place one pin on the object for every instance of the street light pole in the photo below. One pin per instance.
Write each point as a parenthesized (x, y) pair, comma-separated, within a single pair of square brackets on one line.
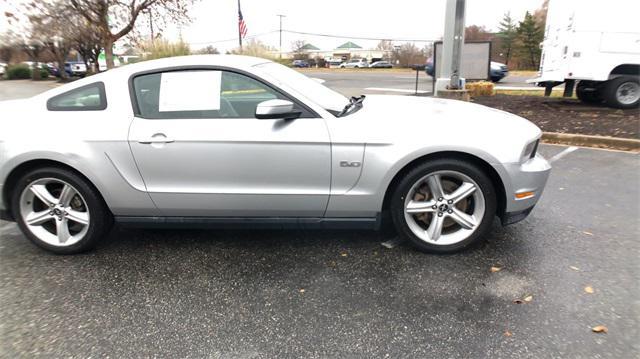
[(281, 16)]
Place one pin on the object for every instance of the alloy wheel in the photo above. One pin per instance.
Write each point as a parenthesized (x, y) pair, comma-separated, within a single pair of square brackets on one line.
[(444, 207), (55, 212)]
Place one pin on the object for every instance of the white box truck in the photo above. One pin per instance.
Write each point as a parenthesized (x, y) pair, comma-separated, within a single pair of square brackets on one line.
[(593, 46)]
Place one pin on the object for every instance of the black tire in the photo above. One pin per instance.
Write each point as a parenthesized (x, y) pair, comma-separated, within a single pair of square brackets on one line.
[(611, 89), (588, 92), (100, 220), (415, 174)]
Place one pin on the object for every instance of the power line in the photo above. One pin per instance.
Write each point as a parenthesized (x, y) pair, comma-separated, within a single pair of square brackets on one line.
[(315, 34), (356, 37), (233, 39)]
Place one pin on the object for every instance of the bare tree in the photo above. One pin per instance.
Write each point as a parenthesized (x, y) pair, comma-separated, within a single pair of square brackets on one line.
[(116, 18), (409, 54), (298, 48), (477, 33), (54, 25), (8, 47), (386, 46), (34, 48)]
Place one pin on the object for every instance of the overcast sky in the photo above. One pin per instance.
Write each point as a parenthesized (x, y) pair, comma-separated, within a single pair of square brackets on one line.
[(215, 20), (398, 19)]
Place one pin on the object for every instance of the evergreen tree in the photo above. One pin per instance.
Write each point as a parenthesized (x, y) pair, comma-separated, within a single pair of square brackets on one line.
[(530, 36), (508, 33)]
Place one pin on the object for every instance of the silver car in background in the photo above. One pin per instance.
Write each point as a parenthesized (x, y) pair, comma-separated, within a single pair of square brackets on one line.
[(240, 141)]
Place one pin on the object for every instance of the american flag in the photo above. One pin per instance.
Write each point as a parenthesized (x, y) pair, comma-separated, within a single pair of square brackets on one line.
[(242, 26)]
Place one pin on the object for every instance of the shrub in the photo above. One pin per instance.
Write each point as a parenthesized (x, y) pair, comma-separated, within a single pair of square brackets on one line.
[(18, 72), (481, 88), (44, 72), (160, 48)]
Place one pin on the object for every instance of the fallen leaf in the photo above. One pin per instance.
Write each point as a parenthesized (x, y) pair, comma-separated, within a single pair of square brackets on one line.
[(528, 298), (495, 269), (588, 289), (599, 329), (301, 290), (587, 233), (507, 333), (574, 268), (343, 254)]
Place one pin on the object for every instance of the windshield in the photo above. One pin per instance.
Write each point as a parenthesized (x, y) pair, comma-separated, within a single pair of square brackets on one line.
[(315, 91)]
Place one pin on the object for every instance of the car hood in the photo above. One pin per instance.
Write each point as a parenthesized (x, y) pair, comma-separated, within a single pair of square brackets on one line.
[(421, 121)]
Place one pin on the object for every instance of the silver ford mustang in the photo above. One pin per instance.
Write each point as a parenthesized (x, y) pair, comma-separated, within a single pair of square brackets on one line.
[(242, 141)]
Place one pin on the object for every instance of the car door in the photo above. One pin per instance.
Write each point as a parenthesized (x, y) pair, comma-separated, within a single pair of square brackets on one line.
[(202, 152)]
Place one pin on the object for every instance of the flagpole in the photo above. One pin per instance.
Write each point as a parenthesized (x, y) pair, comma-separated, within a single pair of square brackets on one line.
[(239, 30)]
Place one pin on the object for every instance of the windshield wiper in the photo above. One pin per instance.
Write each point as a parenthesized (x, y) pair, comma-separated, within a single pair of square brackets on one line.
[(353, 102)]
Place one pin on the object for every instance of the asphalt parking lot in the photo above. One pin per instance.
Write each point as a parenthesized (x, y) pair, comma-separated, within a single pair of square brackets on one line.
[(254, 294)]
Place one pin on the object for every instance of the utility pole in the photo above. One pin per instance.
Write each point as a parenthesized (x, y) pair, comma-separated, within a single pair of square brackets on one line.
[(449, 81), (281, 16), (458, 31)]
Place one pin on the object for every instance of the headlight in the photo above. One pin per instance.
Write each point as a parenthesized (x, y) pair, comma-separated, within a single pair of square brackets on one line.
[(529, 150)]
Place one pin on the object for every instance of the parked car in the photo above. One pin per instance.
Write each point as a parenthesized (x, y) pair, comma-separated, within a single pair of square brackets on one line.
[(71, 68), (354, 63), (76, 68), (498, 71), (381, 65), (300, 63), (3, 67), (334, 63), (135, 145), (429, 67)]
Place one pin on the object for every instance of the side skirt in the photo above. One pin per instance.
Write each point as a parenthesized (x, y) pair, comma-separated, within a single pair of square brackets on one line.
[(250, 222)]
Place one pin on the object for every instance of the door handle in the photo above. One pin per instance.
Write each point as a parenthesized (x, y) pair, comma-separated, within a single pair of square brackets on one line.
[(157, 138)]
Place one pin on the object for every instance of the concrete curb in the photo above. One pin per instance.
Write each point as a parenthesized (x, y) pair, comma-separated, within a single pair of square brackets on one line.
[(624, 144)]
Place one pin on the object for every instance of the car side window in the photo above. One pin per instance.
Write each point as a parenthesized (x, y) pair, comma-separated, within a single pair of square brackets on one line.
[(90, 97), (200, 94)]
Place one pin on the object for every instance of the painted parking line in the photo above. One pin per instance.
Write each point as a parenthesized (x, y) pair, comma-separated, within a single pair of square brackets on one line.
[(565, 152), (394, 90)]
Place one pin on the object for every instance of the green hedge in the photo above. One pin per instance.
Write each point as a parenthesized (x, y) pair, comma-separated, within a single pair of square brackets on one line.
[(44, 73), (17, 72)]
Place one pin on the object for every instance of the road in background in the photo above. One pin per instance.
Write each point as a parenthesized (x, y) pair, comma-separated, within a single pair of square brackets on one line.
[(371, 81), (347, 82)]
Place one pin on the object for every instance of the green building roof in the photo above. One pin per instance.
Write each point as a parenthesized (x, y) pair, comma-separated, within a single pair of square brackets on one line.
[(349, 45)]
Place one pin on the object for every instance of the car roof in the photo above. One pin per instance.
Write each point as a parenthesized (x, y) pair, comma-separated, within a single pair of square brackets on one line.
[(235, 61)]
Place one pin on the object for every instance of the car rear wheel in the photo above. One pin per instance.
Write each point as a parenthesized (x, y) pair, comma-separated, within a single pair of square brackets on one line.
[(59, 211), (623, 92), (444, 206)]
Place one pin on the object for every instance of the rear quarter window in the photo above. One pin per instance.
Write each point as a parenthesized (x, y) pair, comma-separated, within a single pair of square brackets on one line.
[(91, 97)]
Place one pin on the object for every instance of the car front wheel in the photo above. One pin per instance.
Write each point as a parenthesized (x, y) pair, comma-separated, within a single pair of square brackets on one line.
[(444, 206), (59, 210)]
